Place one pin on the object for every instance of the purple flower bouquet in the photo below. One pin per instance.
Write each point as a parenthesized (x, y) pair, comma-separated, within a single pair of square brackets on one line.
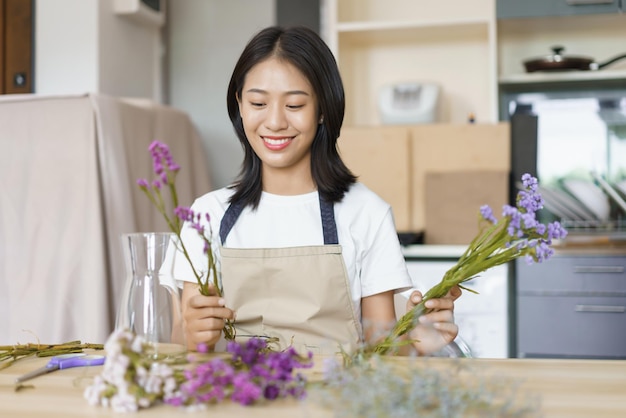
[(518, 233)]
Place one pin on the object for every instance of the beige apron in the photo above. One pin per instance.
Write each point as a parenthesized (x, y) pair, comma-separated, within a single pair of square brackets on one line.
[(300, 295)]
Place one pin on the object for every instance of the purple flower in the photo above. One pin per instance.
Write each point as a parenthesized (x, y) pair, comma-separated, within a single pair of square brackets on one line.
[(529, 201), (533, 238), (556, 231), (245, 391), (161, 153), (487, 214), (175, 400), (160, 188), (529, 182), (271, 392)]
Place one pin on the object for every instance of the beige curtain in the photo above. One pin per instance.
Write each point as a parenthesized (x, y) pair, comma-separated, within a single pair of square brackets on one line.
[(68, 171)]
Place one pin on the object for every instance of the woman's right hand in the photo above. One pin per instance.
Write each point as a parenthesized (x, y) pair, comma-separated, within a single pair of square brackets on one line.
[(203, 316)]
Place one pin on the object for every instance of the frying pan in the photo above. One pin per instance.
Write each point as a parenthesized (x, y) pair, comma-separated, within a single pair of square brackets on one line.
[(560, 62)]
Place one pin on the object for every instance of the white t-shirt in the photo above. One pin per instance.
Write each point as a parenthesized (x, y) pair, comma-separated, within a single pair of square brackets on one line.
[(365, 229)]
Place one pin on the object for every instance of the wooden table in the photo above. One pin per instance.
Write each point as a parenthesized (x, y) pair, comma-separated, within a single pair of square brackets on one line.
[(567, 388)]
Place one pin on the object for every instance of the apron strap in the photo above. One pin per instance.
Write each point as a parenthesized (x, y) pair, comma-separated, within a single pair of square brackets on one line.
[(328, 221), (229, 219)]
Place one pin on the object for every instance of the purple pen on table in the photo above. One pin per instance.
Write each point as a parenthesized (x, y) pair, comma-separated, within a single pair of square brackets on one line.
[(63, 361)]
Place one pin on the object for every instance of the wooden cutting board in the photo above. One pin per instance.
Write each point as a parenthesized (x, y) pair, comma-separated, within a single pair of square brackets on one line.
[(451, 148), (452, 207)]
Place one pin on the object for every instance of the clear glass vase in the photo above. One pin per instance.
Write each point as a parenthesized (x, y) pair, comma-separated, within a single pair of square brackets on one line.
[(150, 305)]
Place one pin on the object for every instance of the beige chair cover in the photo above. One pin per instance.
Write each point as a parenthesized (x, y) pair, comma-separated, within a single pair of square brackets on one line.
[(68, 171)]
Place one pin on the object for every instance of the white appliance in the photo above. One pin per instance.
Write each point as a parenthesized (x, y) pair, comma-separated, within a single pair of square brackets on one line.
[(408, 103), (482, 318)]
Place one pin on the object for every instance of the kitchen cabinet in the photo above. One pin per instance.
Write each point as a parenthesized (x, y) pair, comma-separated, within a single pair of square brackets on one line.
[(598, 37), (378, 43), (572, 306), (411, 160), (540, 8), (482, 318), (465, 49)]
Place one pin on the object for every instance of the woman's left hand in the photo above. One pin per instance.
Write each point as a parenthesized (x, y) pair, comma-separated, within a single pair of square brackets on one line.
[(437, 328)]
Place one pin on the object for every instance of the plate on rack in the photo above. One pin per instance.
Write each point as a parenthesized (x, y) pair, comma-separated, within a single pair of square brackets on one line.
[(590, 195), (610, 191), (573, 204), (556, 205), (621, 187)]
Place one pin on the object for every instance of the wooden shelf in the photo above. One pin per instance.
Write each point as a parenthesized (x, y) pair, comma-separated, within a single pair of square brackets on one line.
[(391, 32), (570, 76), (378, 43), (368, 26)]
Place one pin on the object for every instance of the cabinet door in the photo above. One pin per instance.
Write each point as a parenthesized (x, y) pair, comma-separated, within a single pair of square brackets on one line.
[(482, 318), (572, 306), (539, 8), (578, 327), (16, 46)]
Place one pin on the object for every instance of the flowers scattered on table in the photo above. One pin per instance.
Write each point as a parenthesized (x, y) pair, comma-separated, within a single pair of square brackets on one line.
[(380, 388), (518, 233), (166, 170), (252, 373)]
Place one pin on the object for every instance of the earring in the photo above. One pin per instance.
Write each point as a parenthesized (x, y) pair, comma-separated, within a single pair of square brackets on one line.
[(321, 120)]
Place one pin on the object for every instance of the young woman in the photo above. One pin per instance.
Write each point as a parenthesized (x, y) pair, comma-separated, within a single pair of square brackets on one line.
[(307, 254)]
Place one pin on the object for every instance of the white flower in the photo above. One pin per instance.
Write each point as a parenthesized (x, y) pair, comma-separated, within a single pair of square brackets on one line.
[(94, 391), (137, 345), (169, 387), (124, 402), (115, 368), (143, 402)]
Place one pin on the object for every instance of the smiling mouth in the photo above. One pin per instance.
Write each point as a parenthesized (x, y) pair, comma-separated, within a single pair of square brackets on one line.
[(276, 141), (277, 144)]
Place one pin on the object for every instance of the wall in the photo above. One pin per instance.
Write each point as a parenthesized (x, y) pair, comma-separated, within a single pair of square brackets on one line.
[(83, 46), (204, 41), (131, 56), (66, 32)]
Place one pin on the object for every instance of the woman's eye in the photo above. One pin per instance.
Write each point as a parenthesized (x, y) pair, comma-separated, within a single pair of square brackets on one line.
[(257, 104), (295, 106)]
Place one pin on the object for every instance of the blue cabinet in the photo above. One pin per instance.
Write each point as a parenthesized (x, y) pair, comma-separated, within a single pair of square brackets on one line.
[(539, 8)]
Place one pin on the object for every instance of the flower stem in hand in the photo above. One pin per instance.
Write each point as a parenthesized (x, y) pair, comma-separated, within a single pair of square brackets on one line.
[(518, 233)]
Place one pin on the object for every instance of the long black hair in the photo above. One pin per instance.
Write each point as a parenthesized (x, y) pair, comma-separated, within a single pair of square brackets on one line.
[(305, 50)]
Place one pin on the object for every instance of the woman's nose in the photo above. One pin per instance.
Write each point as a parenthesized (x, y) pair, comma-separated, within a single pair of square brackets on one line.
[(275, 118)]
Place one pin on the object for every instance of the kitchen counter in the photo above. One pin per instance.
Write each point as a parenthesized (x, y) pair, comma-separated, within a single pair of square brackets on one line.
[(433, 252), (592, 244), (566, 388), (577, 244)]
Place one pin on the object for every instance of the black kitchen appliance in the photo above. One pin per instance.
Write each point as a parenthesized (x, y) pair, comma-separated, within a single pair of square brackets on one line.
[(569, 137), (571, 305)]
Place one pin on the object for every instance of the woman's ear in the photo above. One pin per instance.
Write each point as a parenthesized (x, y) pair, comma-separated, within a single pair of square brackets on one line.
[(238, 98)]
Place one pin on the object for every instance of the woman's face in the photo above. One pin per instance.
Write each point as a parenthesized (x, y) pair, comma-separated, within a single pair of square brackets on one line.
[(279, 112)]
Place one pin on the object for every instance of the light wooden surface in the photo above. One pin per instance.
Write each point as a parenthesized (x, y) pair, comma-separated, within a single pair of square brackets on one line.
[(381, 159), (567, 388), (394, 162)]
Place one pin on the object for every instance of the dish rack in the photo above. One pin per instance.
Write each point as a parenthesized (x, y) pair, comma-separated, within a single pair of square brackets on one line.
[(589, 218)]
